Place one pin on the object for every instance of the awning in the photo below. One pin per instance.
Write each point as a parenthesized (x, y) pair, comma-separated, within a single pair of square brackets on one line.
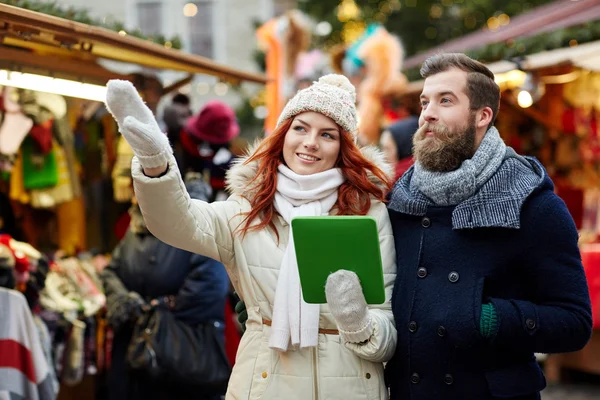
[(585, 56), (72, 49), (556, 15)]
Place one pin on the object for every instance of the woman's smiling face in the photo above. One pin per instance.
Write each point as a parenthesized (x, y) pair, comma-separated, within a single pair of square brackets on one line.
[(312, 144)]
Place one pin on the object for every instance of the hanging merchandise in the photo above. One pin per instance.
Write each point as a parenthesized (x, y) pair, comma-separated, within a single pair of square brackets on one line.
[(373, 63), (20, 348), (72, 289), (62, 191), (283, 40), (39, 171), (15, 124), (121, 173)]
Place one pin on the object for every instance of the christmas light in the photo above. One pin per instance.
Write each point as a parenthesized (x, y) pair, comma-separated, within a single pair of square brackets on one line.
[(47, 84)]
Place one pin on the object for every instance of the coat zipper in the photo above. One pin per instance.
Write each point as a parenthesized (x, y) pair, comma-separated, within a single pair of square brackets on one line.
[(315, 374)]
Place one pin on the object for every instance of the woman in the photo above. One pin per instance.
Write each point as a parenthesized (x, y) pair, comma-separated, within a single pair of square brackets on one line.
[(143, 271), (206, 139), (310, 165)]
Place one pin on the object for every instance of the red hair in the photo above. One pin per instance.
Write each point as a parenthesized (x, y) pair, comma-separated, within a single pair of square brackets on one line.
[(354, 195)]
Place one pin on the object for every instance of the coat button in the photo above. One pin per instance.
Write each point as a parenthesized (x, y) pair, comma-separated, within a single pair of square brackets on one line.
[(441, 331), (264, 374), (448, 379), (425, 222), (415, 378), (530, 324), (412, 326), (368, 375), (152, 260), (453, 276), (422, 272)]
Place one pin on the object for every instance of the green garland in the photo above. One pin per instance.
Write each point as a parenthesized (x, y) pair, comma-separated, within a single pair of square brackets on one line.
[(83, 16), (587, 32)]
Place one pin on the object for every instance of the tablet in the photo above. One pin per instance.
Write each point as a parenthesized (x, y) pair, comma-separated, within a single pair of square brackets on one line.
[(330, 243)]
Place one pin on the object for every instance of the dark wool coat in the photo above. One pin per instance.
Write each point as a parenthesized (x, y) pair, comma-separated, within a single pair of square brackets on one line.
[(151, 268), (513, 244)]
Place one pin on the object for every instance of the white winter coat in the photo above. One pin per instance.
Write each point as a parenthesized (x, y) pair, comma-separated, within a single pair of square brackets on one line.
[(332, 370)]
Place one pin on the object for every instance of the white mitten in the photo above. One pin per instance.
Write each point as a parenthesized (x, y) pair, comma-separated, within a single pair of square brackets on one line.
[(348, 306), (137, 124)]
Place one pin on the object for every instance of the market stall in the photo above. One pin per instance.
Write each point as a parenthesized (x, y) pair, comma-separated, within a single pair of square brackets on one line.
[(57, 57), (62, 163)]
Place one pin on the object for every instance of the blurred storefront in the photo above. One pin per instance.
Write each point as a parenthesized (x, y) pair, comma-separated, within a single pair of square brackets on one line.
[(65, 183)]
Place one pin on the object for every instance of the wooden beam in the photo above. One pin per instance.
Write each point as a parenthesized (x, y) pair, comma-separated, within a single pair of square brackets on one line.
[(116, 46), (70, 68), (174, 86)]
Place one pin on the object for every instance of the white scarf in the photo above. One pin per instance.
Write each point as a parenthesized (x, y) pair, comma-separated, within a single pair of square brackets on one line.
[(296, 196)]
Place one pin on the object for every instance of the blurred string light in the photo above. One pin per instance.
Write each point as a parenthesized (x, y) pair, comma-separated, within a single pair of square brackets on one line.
[(352, 31), (221, 89), (347, 10), (354, 20), (530, 91), (190, 10), (202, 88), (496, 22), (323, 28), (261, 112), (436, 11)]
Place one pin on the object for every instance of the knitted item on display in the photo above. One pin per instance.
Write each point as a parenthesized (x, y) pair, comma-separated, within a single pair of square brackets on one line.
[(333, 96), (137, 124), (348, 306)]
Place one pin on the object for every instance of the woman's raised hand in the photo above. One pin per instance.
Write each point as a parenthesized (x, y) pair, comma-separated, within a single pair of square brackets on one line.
[(138, 125)]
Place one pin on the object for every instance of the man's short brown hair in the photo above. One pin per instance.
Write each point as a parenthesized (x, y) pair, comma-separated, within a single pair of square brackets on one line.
[(481, 89)]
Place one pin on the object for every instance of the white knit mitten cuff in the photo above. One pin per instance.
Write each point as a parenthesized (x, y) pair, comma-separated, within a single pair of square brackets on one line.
[(156, 160), (359, 336)]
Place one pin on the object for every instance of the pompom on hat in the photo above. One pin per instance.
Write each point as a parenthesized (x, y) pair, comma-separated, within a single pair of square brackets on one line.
[(333, 96)]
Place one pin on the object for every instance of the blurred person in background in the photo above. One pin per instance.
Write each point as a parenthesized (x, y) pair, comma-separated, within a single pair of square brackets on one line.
[(396, 144), (145, 271), (206, 140)]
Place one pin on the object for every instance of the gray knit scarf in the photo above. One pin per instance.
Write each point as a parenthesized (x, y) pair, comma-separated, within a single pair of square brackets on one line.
[(452, 188)]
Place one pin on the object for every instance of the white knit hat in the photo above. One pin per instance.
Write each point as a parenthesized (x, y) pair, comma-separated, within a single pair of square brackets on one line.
[(333, 96)]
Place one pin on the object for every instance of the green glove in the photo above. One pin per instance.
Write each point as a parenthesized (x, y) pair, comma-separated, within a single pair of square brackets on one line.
[(488, 323), (242, 314)]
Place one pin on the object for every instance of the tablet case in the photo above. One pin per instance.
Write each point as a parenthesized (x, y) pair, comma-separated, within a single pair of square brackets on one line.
[(330, 243)]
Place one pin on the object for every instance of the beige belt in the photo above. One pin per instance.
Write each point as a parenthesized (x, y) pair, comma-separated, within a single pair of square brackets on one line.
[(321, 330)]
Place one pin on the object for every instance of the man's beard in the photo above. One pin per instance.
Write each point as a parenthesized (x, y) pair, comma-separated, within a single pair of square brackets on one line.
[(446, 150)]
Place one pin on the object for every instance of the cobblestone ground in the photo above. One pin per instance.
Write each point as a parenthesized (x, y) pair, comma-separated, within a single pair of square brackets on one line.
[(571, 392)]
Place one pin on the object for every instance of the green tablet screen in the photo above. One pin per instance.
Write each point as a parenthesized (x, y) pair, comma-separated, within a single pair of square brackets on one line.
[(330, 243)]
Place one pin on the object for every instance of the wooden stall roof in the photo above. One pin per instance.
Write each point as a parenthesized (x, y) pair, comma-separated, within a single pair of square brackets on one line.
[(584, 56), (59, 45), (546, 18)]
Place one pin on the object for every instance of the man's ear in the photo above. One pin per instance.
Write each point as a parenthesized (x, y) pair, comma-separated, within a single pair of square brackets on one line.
[(484, 117)]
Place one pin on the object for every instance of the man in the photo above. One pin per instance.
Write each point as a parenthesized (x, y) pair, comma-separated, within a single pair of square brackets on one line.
[(489, 270)]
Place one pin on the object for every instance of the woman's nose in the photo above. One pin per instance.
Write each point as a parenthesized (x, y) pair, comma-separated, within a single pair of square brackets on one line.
[(311, 143)]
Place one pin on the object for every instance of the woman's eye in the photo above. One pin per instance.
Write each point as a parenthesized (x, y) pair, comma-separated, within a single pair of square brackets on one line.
[(328, 135), (424, 104), (300, 129)]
